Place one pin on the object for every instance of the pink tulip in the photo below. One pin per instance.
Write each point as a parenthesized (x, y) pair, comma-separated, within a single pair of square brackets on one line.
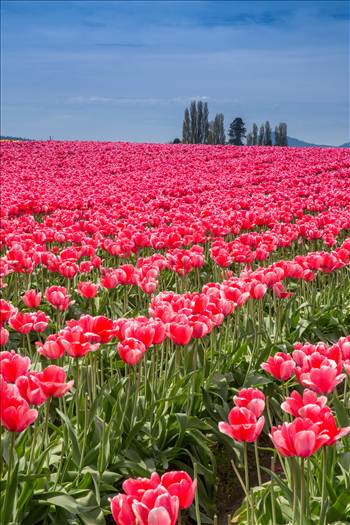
[(88, 289), (251, 398), (243, 425), (300, 438), (32, 298), (15, 414), (13, 365), (131, 350), (280, 366), (295, 402), (179, 483), (52, 381)]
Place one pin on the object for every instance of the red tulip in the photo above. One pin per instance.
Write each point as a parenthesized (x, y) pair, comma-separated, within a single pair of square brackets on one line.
[(52, 348), (138, 486), (88, 289), (15, 413), (295, 402), (22, 322), (29, 387), (131, 350), (243, 425), (179, 483), (281, 366), (32, 298), (180, 334), (75, 343), (13, 365), (58, 297), (251, 398), (4, 336), (6, 311), (300, 438), (319, 373), (121, 507), (52, 381)]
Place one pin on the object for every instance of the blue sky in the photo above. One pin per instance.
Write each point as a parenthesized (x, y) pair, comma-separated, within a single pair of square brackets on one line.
[(108, 70)]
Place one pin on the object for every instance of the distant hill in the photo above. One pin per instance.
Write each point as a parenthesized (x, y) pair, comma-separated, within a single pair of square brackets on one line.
[(6, 137), (297, 143)]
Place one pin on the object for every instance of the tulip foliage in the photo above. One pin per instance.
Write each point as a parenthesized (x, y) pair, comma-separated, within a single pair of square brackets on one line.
[(167, 310)]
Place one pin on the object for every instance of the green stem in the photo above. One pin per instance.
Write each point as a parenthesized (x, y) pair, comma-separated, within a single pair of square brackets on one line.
[(8, 496), (324, 499), (246, 476), (198, 514), (302, 492), (256, 450)]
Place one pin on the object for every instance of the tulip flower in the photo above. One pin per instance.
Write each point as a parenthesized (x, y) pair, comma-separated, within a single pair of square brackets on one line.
[(75, 343), (251, 398), (32, 298), (58, 297), (155, 507), (295, 402), (300, 438), (242, 425), (131, 350), (52, 381), (4, 336), (281, 366), (29, 387), (22, 322), (179, 483), (88, 289), (180, 334), (138, 486), (52, 348), (13, 365), (15, 414), (319, 373), (6, 311)]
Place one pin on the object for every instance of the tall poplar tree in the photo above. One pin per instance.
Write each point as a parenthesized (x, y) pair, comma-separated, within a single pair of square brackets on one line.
[(186, 128), (193, 115), (205, 125), (267, 138), (199, 139), (261, 135), (254, 135), (219, 130), (277, 136), (282, 129)]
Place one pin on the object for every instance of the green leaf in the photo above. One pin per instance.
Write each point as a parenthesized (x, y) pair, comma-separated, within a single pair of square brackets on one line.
[(76, 454)]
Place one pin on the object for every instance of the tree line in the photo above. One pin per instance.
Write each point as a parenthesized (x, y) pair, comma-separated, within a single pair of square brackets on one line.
[(198, 129)]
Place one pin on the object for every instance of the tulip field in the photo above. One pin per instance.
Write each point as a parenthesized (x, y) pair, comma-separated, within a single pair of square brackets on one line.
[(175, 334)]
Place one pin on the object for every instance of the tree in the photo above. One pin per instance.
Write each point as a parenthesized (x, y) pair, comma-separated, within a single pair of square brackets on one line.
[(254, 135), (186, 128), (199, 138), (205, 123), (193, 115), (176, 141), (267, 138), (210, 138), (261, 135), (250, 139), (237, 132), (218, 129), (277, 136), (282, 132)]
